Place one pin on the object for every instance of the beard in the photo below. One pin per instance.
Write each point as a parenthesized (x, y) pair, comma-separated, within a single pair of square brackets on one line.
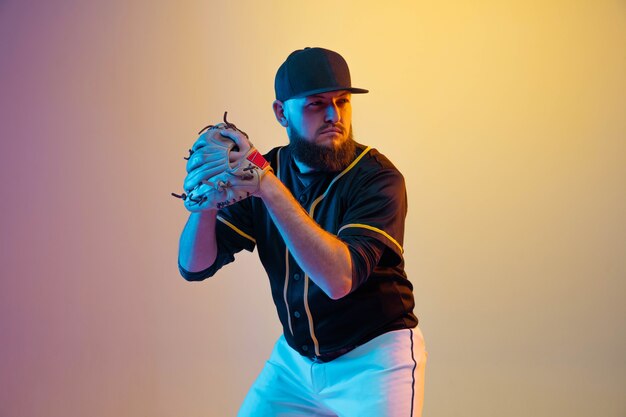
[(322, 158)]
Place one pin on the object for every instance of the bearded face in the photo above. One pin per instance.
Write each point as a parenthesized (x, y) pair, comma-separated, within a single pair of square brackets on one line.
[(322, 158)]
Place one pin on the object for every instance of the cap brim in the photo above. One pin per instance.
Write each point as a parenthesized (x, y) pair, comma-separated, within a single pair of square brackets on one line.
[(353, 90)]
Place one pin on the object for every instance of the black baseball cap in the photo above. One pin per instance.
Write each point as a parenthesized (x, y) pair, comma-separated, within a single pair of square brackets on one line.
[(311, 71)]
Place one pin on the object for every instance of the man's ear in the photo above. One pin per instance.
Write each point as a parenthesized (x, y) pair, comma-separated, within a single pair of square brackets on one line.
[(279, 112)]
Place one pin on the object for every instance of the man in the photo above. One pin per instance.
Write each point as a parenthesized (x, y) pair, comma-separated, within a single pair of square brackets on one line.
[(328, 224)]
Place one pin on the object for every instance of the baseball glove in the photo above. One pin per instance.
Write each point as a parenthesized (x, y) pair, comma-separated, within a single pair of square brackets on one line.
[(223, 168)]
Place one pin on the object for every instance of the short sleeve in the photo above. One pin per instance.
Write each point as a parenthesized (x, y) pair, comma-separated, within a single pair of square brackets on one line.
[(234, 232), (377, 209)]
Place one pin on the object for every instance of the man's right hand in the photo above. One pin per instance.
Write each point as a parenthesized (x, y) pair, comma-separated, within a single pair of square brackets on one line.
[(222, 170), (219, 151)]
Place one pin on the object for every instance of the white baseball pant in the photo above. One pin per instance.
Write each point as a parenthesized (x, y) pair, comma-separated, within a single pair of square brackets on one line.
[(381, 378)]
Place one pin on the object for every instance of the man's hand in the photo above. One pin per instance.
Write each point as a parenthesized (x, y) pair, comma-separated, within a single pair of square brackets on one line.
[(209, 156), (223, 168), (243, 177)]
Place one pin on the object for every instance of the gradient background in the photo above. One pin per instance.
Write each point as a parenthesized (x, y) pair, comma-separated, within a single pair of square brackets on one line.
[(507, 119)]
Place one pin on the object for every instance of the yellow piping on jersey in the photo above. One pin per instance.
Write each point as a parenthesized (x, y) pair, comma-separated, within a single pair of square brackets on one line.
[(285, 288), (236, 229), (311, 214), (316, 343), (345, 171), (375, 229), (286, 285), (278, 162)]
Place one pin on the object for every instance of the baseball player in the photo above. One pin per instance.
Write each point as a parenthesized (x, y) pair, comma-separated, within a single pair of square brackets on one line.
[(326, 215)]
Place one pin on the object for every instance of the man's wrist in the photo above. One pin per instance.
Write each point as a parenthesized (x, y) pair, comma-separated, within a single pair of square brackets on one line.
[(204, 214), (266, 184)]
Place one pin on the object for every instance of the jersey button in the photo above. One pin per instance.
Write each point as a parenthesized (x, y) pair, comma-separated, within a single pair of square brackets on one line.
[(296, 314), (302, 199), (305, 348), (296, 276)]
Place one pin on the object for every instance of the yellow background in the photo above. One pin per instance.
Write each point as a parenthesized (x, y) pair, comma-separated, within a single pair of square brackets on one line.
[(507, 119)]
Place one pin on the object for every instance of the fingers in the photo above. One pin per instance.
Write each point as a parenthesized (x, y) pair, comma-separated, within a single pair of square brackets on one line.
[(200, 142), (206, 137), (220, 191), (200, 158), (214, 155), (210, 147), (202, 173), (201, 198), (242, 142)]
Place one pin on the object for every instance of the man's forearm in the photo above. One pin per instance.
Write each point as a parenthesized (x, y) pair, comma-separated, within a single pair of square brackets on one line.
[(324, 257), (197, 247)]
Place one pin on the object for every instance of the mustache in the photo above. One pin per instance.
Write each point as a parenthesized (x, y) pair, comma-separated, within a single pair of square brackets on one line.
[(332, 126)]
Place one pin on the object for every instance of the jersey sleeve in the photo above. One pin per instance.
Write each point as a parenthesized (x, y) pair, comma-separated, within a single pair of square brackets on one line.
[(373, 225), (234, 232)]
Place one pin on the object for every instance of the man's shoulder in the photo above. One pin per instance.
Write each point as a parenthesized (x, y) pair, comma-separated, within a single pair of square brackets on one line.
[(374, 160)]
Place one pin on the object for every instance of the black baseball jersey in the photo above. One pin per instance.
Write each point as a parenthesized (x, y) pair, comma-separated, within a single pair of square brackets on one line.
[(365, 206)]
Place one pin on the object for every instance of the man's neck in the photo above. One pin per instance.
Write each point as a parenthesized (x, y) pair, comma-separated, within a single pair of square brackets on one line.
[(303, 168)]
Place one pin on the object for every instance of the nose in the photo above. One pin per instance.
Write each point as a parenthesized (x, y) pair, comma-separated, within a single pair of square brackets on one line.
[(332, 113)]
